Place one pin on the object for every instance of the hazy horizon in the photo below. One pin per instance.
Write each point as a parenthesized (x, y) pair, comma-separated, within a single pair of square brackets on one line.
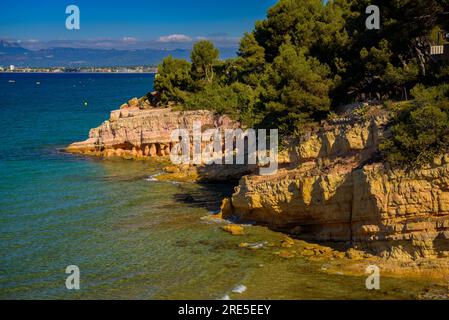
[(133, 25)]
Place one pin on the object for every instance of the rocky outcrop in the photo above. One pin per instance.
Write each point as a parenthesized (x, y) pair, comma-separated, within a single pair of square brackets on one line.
[(335, 191), (136, 132), (406, 211), (141, 134)]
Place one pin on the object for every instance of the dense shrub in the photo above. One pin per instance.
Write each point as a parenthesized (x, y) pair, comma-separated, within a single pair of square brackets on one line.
[(420, 129), (236, 100), (173, 79)]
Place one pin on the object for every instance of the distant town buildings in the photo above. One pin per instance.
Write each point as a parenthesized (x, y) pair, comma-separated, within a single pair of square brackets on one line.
[(134, 69)]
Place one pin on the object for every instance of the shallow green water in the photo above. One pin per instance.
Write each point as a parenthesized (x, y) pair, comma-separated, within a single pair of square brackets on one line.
[(131, 237)]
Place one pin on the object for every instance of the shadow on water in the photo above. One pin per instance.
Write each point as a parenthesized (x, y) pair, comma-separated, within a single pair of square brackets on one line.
[(204, 195)]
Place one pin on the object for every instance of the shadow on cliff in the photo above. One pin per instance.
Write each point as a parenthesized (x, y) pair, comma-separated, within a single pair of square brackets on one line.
[(441, 242), (332, 209), (341, 148)]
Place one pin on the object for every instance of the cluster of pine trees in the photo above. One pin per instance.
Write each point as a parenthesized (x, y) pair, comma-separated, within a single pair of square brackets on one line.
[(310, 56)]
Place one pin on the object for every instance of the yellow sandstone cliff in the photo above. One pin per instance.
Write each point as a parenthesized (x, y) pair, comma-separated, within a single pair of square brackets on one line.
[(135, 133), (335, 191)]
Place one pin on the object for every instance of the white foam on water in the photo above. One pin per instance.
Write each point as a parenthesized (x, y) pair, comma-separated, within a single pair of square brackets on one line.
[(256, 245), (239, 289), (153, 177), (210, 219)]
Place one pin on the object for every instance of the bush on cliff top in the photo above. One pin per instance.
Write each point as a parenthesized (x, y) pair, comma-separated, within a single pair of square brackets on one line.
[(420, 129)]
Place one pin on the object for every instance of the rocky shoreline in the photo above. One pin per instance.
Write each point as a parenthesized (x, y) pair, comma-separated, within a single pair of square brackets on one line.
[(337, 192), (136, 132), (332, 188)]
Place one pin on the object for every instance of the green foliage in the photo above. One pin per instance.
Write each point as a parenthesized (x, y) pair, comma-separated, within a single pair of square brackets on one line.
[(396, 57), (204, 57), (380, 78), (437, 36), (420, 129), (236, 100), (297, 89), (173, 79), (437, 96), (251, 60), (307, 23)]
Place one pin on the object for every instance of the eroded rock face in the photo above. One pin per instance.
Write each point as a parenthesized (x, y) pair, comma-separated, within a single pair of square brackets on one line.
[(331, 193), (406, 210), (134, 133), (140, 134)]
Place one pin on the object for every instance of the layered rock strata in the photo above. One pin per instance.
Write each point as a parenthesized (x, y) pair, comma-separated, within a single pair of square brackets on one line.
[(141, 134), (137, 133), (335, 191)]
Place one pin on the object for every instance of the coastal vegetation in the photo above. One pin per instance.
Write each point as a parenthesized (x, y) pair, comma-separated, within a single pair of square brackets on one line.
[(420, 127), (309, 57)]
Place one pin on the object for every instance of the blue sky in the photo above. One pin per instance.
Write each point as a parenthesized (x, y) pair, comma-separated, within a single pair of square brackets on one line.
[(151, 21)]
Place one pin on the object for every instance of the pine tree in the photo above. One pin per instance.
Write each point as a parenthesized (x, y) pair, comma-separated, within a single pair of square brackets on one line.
[(204, 57)]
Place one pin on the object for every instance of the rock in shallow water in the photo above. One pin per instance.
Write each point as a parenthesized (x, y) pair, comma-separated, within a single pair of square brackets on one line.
[(287, 243), (234, 229)]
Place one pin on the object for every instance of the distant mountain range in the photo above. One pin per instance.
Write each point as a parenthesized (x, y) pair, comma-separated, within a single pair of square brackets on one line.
[(11, 53)]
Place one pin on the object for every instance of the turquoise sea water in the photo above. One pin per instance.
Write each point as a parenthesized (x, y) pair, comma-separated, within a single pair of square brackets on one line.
[(131, 237)]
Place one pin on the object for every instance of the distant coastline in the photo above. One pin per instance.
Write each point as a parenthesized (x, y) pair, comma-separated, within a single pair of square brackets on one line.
[(107, 70), (68, 72)]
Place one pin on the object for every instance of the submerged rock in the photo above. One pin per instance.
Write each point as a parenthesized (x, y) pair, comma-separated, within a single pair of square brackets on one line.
[(354, 254), (287, 243), (226, 207), (234, 229), (286, 254)]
